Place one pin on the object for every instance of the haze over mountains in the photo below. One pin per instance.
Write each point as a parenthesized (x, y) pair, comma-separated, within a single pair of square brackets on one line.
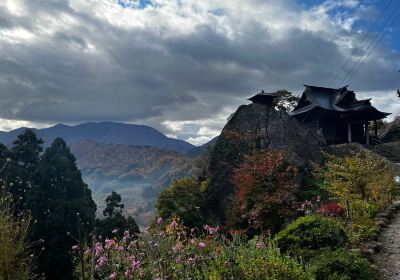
[(137, 161), (105, 133)]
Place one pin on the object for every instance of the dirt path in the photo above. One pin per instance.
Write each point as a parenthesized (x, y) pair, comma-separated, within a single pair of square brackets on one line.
[(388, 259)]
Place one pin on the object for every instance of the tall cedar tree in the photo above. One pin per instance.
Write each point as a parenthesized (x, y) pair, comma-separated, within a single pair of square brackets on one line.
[(55, 200), (17, 174), (265, 193), (114, 219)]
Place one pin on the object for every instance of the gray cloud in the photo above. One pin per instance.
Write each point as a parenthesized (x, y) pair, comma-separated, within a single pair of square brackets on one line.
[(171, 67)]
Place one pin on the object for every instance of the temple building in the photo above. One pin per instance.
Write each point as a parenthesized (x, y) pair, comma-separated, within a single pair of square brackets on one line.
[(337, 114), (264, 98)]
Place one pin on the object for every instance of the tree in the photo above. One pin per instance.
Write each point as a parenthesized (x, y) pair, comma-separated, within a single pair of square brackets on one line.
[(183, 198), (113, 205), (286, 101), (114, 223), (17, 175), (265, 193), (62, 206)]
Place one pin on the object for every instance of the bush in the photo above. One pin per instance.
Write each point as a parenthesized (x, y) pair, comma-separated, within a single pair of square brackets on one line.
[(362, 183), (332, 210), (361, 229), (341, 265), (306, 235)]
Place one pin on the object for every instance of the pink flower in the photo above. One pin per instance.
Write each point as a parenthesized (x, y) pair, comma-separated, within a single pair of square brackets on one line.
[(115, 230), (211, 230), (202, 245), (120, 248), (128, 273), (98, 248), (178, 247), (101, 262), (162, 233), (75, 248), (159, 220), (260, 245), (192, 241), (109, 243), (174, 224), (135, 264), (127, 236), (113, 276)]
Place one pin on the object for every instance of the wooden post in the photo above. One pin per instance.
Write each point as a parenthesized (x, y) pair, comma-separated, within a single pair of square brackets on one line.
[(349, 132), (367, 133), (376, 128)]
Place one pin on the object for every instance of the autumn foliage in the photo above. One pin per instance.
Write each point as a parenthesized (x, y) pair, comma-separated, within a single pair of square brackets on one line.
[(264, 192)]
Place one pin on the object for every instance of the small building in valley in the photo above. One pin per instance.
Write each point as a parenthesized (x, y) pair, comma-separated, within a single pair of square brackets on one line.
[(337, 114)]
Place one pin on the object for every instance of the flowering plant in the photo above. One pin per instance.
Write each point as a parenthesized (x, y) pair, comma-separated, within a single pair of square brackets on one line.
[(176, 252)]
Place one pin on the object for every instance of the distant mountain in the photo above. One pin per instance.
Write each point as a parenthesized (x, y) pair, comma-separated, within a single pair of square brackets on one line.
[(138, 173), (105, 133), (199, 150)]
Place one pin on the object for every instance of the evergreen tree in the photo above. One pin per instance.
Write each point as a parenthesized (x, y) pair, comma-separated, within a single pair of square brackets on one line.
[(55, 200), (24, 158), (113, 205), (114, 219)]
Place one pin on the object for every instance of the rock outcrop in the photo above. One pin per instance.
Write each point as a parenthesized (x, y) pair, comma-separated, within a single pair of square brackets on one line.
[(252, 127)]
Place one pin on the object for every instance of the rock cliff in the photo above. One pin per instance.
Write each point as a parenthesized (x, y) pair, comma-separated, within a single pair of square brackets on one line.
[(252, 127)]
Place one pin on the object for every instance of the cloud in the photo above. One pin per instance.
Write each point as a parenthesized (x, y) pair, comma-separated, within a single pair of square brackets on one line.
[(180, 66)]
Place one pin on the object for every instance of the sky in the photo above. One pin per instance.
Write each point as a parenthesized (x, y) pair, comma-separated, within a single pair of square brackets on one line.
[(184, 66)]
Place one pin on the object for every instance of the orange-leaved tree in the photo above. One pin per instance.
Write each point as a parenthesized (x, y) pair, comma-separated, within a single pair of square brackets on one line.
[(265, 192)]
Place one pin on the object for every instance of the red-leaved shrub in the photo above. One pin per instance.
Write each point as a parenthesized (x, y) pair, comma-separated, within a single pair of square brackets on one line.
[(332, 210)]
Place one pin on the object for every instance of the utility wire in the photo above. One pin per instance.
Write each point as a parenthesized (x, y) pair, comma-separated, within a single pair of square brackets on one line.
[(377, 43), (360, 43), (379, 37)]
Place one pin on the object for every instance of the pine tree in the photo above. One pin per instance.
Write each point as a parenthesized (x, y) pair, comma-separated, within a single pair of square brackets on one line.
[(114, 206), (55, 200), (114, 219), (23, 161)]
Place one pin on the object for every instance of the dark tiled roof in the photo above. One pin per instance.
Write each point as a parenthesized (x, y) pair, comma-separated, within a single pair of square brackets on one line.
[(340, 100), (263, 97)]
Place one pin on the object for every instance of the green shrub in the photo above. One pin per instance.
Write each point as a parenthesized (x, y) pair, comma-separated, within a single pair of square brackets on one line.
[(310, 233), (362, 183), (341, 265), (361, 229), (254, 260)]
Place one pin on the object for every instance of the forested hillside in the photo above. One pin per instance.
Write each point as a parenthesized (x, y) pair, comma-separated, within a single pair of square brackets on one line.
[(138, 173)]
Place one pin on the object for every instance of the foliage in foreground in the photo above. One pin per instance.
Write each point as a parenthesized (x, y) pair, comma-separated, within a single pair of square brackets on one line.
[(341, 265), (305, 236), (15, 261), (363, 185), (175, 252)]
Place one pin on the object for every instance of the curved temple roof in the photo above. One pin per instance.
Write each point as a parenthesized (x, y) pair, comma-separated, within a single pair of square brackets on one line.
[(263, 97), (340, 100)]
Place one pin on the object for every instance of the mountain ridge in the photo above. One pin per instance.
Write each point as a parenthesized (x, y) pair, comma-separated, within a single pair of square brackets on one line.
[(104, 133)]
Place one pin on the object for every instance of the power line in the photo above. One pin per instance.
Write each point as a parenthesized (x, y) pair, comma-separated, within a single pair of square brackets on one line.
[(361, 42), (369, 54), (373, 43)]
